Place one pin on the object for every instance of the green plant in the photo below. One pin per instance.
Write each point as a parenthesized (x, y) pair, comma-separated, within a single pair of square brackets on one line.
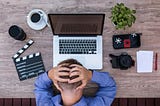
[(122, 16)]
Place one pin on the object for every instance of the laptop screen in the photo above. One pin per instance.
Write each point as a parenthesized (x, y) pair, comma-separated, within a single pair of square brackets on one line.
[(77, 23)]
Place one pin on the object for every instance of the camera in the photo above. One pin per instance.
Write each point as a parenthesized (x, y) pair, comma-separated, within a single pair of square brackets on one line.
[(122, 61)]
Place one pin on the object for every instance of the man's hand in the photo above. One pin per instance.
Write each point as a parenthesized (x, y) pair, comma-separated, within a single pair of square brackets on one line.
[(84, 75), (56, 73)]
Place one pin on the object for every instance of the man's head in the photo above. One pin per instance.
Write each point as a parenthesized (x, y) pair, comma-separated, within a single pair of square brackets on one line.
[(70, 94), (69, 86)]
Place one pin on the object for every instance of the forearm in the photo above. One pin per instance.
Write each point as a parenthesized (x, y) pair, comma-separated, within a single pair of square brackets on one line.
[(43, 81), (103, 79), (107, 89)]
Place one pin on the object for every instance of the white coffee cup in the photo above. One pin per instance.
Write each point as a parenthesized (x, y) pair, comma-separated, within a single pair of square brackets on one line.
[(37, 19)]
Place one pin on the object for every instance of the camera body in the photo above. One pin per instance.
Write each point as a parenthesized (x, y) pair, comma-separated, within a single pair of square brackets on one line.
[(122, 61)]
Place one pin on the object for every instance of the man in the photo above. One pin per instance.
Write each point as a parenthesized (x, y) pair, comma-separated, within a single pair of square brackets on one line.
[(70, 78)]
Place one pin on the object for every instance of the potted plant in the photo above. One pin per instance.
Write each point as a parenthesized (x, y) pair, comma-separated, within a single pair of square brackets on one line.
[(122, 16)]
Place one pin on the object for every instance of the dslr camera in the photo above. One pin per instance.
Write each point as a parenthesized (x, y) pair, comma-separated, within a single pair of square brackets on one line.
[(122, 61)]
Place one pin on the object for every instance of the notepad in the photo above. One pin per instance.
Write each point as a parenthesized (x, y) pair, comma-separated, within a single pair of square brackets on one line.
[(144, 61)]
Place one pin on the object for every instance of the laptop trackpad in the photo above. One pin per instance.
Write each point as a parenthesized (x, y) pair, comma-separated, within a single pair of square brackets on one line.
[(81, 59), (88, 62)]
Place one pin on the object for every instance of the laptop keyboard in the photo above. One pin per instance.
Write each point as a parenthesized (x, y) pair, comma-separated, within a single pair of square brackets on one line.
[(77, 46)]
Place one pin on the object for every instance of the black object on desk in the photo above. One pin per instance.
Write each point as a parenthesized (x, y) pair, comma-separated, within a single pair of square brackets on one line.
[(126, 41), (122, 61), (28, 66), (17, 33)]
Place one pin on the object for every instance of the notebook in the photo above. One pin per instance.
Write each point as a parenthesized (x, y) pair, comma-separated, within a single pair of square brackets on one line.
[(144, 61), (78, 36)]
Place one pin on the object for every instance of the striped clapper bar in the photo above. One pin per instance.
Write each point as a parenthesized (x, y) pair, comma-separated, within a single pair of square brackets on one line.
[(28, 66), (25, 47)]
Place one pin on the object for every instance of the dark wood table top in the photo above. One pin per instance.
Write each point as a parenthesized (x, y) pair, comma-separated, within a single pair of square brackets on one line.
[(129, 82)]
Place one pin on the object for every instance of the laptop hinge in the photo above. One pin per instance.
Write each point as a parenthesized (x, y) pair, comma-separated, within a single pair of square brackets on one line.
[(77, 35)]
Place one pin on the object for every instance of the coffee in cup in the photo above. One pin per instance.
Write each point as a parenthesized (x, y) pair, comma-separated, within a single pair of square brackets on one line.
[(36, 17)]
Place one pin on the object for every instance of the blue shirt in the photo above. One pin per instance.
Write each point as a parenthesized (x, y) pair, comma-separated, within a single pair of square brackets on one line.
[(104, 96)]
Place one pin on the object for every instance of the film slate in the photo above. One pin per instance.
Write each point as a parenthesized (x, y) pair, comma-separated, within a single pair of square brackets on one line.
[(25, 47), (28, 66)]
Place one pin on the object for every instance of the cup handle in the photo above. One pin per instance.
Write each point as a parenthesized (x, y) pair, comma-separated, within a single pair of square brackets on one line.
[(42, 15)]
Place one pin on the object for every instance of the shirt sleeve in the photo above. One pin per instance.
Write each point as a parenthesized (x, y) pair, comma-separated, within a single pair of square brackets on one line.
[(43, 90), (107, 90)]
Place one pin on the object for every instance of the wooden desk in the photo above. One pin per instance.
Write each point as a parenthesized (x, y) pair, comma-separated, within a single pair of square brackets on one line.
[(129, 82)]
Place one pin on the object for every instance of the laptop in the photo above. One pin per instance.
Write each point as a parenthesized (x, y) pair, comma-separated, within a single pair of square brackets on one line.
[(78, 36)]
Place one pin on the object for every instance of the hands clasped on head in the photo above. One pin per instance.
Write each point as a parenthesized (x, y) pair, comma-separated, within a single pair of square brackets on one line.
[(70, 74), (70, 77)]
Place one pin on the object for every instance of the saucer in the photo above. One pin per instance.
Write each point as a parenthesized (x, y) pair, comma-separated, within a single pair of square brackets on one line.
[(40, 25)]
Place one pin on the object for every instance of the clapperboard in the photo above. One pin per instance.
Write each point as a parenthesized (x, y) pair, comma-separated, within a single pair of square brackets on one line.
[(28, 66)]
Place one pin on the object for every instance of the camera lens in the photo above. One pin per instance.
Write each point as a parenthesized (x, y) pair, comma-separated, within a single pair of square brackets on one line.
[(17, 33), (126, 61)]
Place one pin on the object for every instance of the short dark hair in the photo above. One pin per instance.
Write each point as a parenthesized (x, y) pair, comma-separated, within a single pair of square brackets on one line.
[(70, 62), (65, 85)]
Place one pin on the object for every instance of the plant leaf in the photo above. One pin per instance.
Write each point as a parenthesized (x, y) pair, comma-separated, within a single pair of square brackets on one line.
[(122, 16), (133, 11)]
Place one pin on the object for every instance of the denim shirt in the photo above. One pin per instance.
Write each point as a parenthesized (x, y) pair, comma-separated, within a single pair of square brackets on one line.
[(104, 96)]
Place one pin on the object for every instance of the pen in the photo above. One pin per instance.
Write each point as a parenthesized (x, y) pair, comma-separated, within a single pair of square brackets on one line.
[(156, 67)]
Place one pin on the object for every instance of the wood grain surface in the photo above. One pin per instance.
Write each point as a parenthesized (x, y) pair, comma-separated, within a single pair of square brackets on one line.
[(129, 82)]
